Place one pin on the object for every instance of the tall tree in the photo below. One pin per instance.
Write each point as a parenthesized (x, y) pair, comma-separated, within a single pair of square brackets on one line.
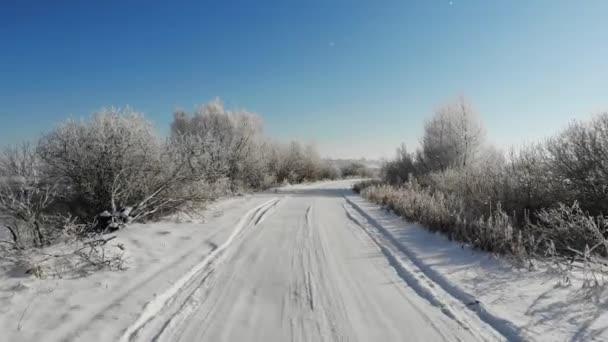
[(453, 137)]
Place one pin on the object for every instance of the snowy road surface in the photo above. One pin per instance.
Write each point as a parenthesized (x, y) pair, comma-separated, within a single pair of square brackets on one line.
[(305, 263), (303, 266)]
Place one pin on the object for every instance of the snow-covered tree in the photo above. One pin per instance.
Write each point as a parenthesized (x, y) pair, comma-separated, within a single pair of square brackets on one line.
[(237, 134), (453, 137), (101, 158)]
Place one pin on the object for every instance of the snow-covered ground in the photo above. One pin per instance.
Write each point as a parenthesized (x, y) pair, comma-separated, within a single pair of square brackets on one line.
[(523, 305), (301, 263)]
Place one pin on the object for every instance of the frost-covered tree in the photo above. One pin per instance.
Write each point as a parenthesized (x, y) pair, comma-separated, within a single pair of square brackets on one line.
[(398, 170), (99, 159), (25, 196), (295, 163), (453, 137), (115, 162), (579, 160), (237, 133)]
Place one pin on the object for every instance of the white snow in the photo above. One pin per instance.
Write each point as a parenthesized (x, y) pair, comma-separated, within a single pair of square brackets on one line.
[(311, 262), (521, 304), (154, 307), (101, 306)]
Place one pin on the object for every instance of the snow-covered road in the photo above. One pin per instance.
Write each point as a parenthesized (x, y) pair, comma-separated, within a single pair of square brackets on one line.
[(303, 263), (301, 266)]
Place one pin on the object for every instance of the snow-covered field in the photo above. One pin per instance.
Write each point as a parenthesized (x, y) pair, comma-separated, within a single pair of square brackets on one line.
[(302, 263)]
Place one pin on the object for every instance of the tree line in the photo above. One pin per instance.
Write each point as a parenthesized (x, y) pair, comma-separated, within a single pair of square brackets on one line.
[(546, 198), (88, 176)]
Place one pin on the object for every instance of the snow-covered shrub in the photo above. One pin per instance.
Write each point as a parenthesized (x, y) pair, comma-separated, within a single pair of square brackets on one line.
[(328, 171), (189, 173), (23, 211), (286, 162), (579, 163), (399, 170), (447, 213), (417, 204), (355, 169), (360, 186), (237, 135), (529, 183), (115, 163), (479, 188), (571, 230), (295, 164), (203, 156), (71, 259), (452, 137), (540, 195), (104, 163), (26, 196)]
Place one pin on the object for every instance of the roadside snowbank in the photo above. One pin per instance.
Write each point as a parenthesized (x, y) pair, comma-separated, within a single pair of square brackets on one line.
[(522, 304)]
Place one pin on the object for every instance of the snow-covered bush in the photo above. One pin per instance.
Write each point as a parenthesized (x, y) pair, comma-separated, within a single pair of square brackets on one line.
[(114, 168), (452, 137), (23, 212), (355, 169), (571, 230), (448, 214), (237, 134), (400, 169), (360, 186), (84, 177), (294, 163), (328, 171), (116, 164), (25, 198), (105, 163), (546, 194), (578, 157)]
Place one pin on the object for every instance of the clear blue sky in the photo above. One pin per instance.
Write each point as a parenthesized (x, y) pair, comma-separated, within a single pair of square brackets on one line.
[(355, 77)]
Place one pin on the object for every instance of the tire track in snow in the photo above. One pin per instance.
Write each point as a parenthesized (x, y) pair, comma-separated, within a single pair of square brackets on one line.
[(160, 302), (299, 303), (428, 283), (329, 302), (314, 307), (171, 326), (307, 275)]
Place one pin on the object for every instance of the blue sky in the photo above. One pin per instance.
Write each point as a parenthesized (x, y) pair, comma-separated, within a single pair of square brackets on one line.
[(354, 77)]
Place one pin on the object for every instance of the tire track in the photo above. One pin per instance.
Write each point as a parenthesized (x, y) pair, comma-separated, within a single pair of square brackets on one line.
[(415, 276), (157, 305), (171, 328), (315, 309)]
